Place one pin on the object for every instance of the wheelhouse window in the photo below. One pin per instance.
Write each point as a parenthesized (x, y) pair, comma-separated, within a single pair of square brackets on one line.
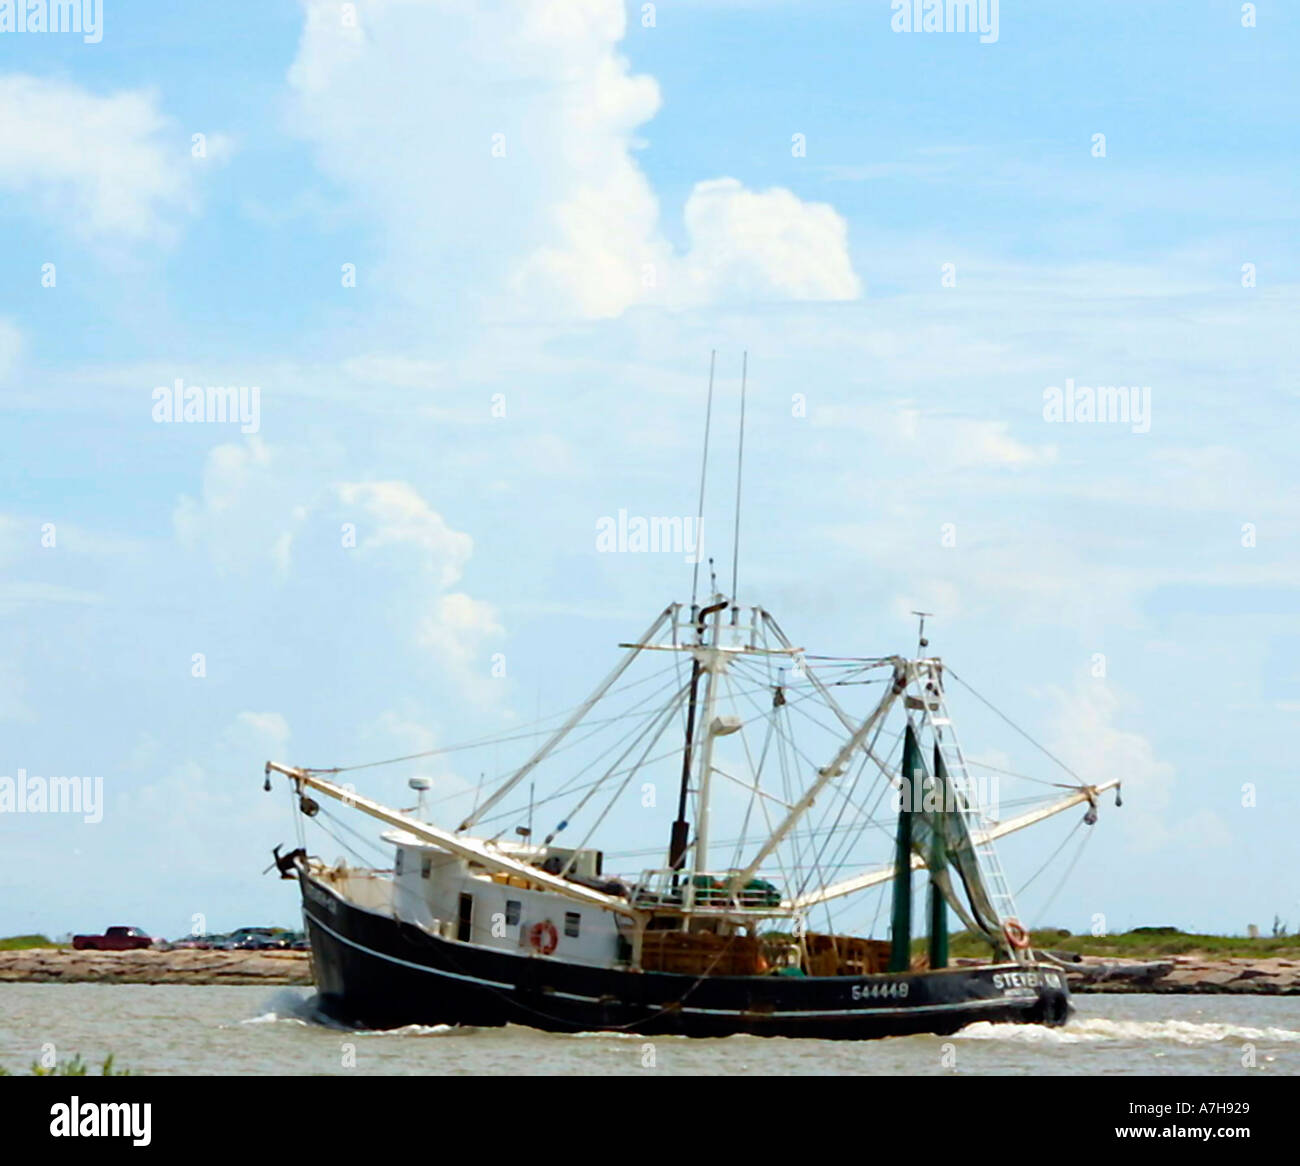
[(426, 865), (397, 862), (512, 912), (465, 918), (572, 920)]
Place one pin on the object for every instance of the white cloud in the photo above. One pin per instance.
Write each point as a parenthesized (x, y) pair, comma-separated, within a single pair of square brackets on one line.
[(1087, 737), (258, 733), (399, 516), (768, 245), (455, 626), (245, 514), (944, 441), (452, 625), (96, 165), (498, 147)]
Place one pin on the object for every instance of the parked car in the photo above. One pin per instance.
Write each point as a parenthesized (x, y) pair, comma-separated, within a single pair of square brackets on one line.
[(193, 943), (114, 939), (254, 939)]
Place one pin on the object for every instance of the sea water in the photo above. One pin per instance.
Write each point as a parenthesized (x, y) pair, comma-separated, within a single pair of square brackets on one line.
[(257, 1030)]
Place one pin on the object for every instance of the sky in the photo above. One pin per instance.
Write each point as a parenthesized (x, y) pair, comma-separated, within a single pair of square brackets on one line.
[(474, 258)]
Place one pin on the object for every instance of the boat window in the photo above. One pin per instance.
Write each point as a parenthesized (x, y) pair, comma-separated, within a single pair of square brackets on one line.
[(426, 865), (571, 921), (512, 912), (397, 862), (465, 922)]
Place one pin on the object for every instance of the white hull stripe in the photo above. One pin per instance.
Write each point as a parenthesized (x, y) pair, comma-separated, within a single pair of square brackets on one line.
[(1011, 1002)]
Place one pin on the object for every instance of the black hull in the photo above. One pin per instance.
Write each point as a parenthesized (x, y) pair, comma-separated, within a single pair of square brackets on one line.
[(375, 972)]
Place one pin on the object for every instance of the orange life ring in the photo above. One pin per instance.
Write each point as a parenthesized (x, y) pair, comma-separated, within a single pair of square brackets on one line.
[(544, 937), (1016, 934)]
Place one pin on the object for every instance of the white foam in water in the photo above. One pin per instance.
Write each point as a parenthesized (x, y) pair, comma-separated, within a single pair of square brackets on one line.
[(1183, 1032), (286, 1004), (416, 1030)]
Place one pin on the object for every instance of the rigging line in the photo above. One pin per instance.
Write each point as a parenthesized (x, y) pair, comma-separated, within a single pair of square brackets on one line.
[(1051, 858), (805, 834), (363, 839), (788, 737), (754, 793), (825, 854), (1013, 724), (506, 813), (658, 723), (740, 463), (361, 858), (641, 852), (798, 699), (592, 728), (479, 742), (755, 770), (704, 465), (1083, 842), (295, 802), (1021, 776), (847, 844), (870, 821), (664, 722), (819, 852), (571, 785)]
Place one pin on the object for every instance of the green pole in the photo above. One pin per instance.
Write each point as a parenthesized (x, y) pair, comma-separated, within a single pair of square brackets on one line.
[(938, 861), (900, 952)]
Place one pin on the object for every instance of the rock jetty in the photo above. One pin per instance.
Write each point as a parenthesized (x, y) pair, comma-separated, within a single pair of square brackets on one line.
[(52, 965)]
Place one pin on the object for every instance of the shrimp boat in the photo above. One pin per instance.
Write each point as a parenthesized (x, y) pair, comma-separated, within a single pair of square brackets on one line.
[(781, 801), (480, 924)]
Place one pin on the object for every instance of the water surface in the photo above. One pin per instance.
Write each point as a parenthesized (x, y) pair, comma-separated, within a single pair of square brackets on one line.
[(255, 1030)]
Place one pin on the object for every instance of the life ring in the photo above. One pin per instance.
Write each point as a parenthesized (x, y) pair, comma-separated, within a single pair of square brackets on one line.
[(544, 937), (1016, 934)]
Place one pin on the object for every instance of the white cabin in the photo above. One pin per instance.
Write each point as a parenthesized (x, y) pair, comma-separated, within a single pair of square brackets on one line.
[(457, 899)]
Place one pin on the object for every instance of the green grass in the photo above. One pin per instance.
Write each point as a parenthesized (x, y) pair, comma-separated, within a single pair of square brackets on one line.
[(22, 942), (70, 1067), (1142, 943)]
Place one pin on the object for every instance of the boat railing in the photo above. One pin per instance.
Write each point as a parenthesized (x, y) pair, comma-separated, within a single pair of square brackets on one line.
[(705, 892)]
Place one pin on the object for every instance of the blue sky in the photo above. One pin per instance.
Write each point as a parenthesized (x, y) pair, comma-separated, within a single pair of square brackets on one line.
[(649, 207)]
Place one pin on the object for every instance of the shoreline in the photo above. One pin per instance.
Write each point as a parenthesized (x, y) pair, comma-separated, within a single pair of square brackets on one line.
[(50, 965), (1171, 975), (1186, 975)]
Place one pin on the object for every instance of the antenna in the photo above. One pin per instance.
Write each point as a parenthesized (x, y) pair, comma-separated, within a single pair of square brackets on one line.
[(740, 465), (704, 465), (922, 641)]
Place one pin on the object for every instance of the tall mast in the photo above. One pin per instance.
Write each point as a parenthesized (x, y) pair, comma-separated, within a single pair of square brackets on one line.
[(704, 467), (713, 663), (740, 465), (681, 830)]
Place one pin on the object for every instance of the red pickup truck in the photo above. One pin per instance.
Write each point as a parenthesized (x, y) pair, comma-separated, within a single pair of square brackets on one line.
[(114, 939)]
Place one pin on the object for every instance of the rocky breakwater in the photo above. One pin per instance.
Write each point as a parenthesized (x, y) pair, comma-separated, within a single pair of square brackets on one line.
[(1186, 974), (65, 966)]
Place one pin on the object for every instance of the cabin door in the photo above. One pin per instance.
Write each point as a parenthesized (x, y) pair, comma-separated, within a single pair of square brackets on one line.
[(465, 922)]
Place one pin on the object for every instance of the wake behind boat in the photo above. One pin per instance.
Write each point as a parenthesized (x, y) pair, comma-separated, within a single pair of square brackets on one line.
[(784, 799)]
